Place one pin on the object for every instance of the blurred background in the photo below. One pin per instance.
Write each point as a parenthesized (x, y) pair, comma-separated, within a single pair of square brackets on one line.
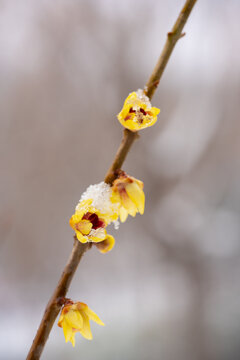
[(170, 288)]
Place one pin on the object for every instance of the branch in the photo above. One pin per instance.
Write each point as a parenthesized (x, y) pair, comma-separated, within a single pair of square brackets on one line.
[(127, 141), (55, 303), (172, 37)]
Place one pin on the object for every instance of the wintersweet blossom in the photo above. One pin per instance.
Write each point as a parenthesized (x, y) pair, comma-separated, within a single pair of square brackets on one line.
[(128, 193), (137, 112), (93, 213), (75, 318), (100, 195), (88, 223)]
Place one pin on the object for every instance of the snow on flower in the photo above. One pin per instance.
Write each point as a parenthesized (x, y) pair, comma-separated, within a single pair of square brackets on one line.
[(92, 215)]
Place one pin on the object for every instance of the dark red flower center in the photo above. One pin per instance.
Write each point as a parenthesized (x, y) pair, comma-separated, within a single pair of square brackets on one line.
[(94, 220), (141, 110)]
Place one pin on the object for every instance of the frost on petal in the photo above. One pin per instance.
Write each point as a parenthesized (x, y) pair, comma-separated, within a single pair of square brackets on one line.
[(100, 195), (97, 235), (143, 98), (93, 213)]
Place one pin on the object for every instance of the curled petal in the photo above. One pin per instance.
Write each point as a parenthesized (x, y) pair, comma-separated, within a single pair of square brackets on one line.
[(106, 245), (84, 226), (81, 238)]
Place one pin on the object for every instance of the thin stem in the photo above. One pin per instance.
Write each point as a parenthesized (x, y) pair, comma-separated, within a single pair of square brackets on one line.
[(172, 37), (127, 141), (54, 305)]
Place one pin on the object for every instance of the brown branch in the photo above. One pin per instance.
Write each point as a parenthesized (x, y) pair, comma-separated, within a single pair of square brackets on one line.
[(54, 305), (172, 37), (127, 141)]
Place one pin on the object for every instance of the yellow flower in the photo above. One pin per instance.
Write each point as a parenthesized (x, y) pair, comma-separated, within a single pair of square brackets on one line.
[(128, 192), (75, 318), (88, 223), (137, 112)]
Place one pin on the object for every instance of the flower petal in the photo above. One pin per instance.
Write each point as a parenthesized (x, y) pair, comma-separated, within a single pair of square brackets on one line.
[(67, 331), (72, 339), (84, 226), (80, 237), (74, 319), (60, 321), (86, 330), (97, 235), (128, 204), (106, 245), (137, 112), (123, 214), (92, 316), (136, 194)]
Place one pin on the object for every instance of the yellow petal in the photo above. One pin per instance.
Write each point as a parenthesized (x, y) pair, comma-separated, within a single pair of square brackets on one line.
[(139, 182), (67, 330), (74, 220), (106, 245), (80, 237), (124, 112), (83, 206), (128, 204), (130, 120), (149, 121), (72, 339), (132, 97), (92, 316), (86, 330), (74, 319), (115, 197), (136, 194), (97, 235), (131, 125), (155, 111), (84, 226), (123, 214), (60, 320)]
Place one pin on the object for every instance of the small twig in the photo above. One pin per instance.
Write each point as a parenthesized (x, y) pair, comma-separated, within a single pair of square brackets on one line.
[(172, 37), (127, 141), (56, 301)]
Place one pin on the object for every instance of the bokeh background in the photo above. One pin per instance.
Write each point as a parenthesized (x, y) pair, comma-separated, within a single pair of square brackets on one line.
[(170, 288)]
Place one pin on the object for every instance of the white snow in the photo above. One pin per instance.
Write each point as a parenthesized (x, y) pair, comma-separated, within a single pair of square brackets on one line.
[(101, 194), (143, 98)]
